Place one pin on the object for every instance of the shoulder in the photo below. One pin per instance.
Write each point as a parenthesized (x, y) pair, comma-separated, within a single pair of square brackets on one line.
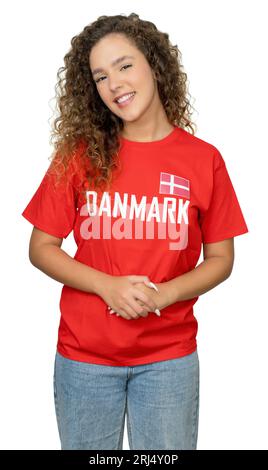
[(205, 150)]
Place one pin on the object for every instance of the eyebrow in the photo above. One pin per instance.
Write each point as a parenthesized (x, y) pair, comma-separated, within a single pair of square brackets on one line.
[(115, 62)]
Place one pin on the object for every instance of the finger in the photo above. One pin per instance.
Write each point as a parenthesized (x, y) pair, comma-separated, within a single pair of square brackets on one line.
[(131, 311), (156, 311), (114, 311), (150, 304), (139, 308), (152, 285), (133, 278), (122, 314), (117, 314), (126, 312)]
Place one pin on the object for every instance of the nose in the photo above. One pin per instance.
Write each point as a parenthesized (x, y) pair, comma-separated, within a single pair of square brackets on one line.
[(114, 85), (115, 90)]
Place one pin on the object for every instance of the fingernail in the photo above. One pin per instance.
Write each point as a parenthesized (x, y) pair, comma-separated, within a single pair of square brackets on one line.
[(154, 286), (157, 312)]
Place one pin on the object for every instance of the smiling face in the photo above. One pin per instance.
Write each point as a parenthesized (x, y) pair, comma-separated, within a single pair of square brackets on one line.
[(132, 74)]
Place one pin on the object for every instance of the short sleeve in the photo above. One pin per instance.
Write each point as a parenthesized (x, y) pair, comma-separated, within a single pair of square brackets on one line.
[(224, 218), (52, 208)]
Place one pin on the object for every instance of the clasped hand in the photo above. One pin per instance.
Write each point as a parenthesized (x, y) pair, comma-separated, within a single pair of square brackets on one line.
[(132, 296)]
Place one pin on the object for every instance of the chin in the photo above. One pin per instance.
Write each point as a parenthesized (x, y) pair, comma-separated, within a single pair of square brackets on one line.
[(126, 119), (131, 117)]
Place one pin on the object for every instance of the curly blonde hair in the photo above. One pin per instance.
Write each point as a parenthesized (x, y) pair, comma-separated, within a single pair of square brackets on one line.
[(88, 129)]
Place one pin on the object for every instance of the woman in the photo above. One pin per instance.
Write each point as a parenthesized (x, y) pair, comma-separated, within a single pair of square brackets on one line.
[(141, 194)]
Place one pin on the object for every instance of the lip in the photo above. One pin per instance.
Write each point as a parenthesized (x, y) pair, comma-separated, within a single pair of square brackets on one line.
[(125, 103), (120, 96)]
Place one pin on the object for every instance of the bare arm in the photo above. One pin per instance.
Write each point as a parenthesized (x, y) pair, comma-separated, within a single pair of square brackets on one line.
[(46, 254), (216, 267)]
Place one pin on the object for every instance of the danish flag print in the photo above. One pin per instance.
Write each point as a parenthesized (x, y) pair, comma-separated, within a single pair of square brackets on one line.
[(172, 184)]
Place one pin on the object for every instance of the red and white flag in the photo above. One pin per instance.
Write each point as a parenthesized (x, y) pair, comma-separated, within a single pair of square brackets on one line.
[(172, 184)]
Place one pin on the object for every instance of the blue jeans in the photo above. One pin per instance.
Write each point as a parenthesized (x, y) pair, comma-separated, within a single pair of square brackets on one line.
[(160, 399)]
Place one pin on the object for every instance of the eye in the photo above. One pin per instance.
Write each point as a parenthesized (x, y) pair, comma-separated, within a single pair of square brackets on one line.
[(128, 65)]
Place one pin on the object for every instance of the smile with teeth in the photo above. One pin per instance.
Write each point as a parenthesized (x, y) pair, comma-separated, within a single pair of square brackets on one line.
[(125, 98)]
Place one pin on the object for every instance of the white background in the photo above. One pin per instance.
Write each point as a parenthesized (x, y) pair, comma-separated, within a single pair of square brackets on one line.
[(224, 53)]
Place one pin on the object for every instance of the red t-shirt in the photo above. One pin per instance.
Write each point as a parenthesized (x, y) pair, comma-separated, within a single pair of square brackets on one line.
[(168, 197)]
